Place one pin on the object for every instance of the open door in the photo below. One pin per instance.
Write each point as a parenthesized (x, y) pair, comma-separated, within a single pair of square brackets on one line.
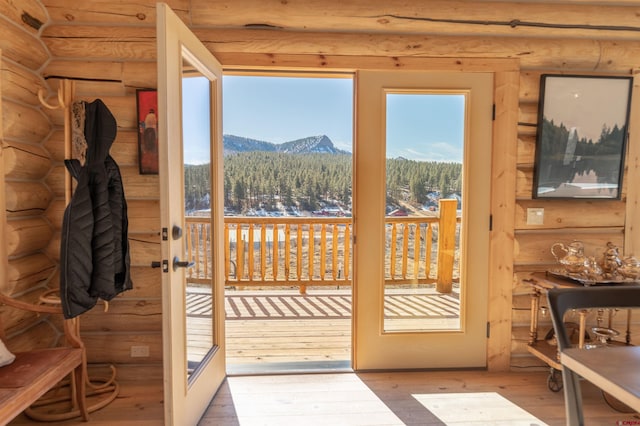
[(190, 138)]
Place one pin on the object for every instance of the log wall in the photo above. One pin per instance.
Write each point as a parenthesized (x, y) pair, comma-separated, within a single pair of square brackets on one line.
[(25, 196), (134, 317), (110, 49)]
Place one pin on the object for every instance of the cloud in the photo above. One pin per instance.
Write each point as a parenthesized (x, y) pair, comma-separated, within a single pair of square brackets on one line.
[(435, 151)]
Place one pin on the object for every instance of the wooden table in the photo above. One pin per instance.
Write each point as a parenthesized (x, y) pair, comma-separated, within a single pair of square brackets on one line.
[(614, 369)]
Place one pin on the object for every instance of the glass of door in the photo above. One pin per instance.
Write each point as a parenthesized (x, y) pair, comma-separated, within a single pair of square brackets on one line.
[(196, 157), (424, 164)]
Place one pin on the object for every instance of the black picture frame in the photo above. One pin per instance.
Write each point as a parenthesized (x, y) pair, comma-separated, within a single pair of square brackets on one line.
[(147, 115), (581, 136)]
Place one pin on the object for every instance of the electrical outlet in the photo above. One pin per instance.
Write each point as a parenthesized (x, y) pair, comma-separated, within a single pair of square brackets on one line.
[(139, 351), (535, 216)]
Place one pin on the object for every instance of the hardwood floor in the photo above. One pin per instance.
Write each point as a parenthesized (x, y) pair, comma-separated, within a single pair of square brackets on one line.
[(138, 404), (387, 398), (277, 344), (401, 398)]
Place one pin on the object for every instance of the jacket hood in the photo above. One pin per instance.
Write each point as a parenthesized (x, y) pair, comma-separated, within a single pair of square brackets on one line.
[(100, 130)]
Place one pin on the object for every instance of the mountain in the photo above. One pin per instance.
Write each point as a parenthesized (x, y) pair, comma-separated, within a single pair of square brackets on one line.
[(312, 144)]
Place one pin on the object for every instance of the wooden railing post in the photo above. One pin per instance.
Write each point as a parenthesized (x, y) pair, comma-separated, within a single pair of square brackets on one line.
[(446, 245)]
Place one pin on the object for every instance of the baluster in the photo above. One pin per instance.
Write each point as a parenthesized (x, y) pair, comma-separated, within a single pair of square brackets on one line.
[(195, 244), (405, 249), (299, 252), (428, 239), (287, 251), (206, 243), (189, 249), (227, 252), (347, 250), (323, 250), (239, 253), (334, 248), (303, 287), (416, 252), (250, 250), (312, 250), (274, 262), (263, 251), (392, 251)]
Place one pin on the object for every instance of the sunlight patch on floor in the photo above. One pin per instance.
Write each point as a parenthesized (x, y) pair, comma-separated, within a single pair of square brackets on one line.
[(344, 399), (480, 408), (317, 399)]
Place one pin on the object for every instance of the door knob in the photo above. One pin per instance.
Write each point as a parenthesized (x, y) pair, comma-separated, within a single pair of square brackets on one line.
[(177, 263), (176, 232)]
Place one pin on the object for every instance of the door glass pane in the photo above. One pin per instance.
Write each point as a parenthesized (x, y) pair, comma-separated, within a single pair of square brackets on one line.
[(196, 143), (425, 134)]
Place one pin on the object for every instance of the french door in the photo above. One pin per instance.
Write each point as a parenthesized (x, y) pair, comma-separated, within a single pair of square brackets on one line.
[(190, 139), (383, 337)]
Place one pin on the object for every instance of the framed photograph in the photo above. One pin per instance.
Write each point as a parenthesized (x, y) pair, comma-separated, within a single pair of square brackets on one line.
[(147, 105), (582, 135)]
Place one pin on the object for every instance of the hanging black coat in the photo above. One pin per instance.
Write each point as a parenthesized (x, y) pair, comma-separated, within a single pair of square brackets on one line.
[(94, 251)]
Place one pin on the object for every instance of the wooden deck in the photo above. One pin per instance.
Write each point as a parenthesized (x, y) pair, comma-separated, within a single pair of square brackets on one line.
[(284, 330)]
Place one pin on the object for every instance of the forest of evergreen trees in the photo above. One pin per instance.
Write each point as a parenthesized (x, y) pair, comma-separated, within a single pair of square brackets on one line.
[(260, 179), (601, 157)]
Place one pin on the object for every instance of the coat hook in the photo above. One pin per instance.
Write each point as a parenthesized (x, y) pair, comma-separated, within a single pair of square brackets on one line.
[(64, 90), (47, 104)]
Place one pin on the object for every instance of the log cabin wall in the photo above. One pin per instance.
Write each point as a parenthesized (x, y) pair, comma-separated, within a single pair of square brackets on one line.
[(110, 49), (27, 230)]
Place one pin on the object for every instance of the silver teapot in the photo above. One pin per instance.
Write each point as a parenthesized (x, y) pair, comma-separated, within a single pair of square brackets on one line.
[(611, 260), (571, 256), (630, 268)]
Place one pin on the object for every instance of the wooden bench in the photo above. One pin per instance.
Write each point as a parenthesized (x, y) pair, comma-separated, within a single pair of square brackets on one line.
[(35, 372)]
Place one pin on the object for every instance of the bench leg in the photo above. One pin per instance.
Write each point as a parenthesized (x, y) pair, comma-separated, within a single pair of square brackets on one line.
[(80, 390)]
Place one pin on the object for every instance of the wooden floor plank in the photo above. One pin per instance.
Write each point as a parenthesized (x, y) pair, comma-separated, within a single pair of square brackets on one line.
[(284, 397), (349, 399), (271, 400)]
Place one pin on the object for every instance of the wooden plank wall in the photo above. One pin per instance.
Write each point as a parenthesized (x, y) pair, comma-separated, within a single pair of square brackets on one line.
[(110, 49)]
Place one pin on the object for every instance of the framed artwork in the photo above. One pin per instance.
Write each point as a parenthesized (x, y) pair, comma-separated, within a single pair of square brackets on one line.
[(147, 105), (582, 136)]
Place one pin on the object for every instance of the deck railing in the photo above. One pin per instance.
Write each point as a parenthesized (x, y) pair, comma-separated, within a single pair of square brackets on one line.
[(317, 251)]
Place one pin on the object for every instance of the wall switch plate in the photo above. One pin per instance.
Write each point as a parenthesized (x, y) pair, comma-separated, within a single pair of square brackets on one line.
[(139, 351), (535, 216)]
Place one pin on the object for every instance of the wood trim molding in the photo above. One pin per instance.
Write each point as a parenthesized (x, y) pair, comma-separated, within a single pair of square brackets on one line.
[(632, 216), (4, 262), (341, 63), (501, 256)]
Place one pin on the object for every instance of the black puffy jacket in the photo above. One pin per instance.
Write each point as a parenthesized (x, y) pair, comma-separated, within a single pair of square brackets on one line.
[(94, 251)]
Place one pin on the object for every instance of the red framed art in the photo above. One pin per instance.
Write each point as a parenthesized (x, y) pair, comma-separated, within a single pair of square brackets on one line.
[(147, 105)]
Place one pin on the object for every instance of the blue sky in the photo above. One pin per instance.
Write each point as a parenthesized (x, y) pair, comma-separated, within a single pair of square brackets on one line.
[(279, 109), (425, 127)]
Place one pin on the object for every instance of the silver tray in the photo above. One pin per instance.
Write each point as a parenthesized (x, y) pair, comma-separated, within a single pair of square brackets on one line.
[(587, 282)]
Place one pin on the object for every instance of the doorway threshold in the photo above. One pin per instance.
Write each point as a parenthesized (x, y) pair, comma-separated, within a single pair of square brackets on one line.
[(302, 367)]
